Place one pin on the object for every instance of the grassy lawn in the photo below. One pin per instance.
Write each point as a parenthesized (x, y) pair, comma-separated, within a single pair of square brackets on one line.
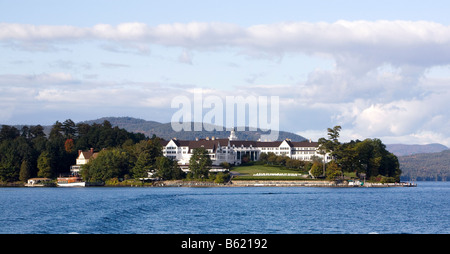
[(247, 172)]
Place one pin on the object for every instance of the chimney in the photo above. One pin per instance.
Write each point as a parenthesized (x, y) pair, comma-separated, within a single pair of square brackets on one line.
[(92, 150), (196, 139), (309, 140), (207, 138)]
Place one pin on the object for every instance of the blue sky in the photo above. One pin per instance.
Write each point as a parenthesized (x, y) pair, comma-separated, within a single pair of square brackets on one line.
[(246, 13), (378, 68)]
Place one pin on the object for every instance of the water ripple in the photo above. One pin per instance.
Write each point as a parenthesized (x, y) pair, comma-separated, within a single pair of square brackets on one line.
[(271, 210)]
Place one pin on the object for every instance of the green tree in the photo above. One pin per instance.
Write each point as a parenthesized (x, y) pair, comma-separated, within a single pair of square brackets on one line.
[(32, 132), (104, 136), (144, 164), (143, 155), (39, 144), (375, 160), (56, 153), (316, 170), (164, 168), (271, 158), (9, 162), (36, 131), (177, 173), (369, 156), (168, 169), (25, 171), (294, 164), (110, 163), (349, 159), (43, 164), (332, 144), (263, 157), (281, 160), (333, 171), (225, 165), (56, 131), (12, 153), (69, 129), (8, 133), (221, 177), (200, 163)]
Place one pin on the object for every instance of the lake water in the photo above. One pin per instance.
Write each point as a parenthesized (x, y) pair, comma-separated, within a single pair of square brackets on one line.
[(228, 210)]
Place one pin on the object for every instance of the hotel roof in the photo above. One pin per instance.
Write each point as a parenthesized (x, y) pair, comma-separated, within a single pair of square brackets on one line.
[(215, 143)]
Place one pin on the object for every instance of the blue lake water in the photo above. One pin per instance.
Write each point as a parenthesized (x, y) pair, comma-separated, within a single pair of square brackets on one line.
[(227, 210)]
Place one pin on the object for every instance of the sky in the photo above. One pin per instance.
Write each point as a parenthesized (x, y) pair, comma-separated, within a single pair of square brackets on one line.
[(379, 69)]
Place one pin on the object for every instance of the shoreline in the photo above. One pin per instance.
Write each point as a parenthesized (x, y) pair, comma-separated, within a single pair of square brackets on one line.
[(278, 183), (242, 183)]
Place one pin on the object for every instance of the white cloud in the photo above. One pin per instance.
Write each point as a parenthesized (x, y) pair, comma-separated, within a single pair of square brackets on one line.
[(386, 104), (395, 118), (38, 95), (351, 43), (28, 32), (378, 87), (417, 120)]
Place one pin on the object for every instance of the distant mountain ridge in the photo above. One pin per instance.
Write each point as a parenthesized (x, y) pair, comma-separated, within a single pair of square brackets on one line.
[(164, 130), (402, 149), (426, 166)]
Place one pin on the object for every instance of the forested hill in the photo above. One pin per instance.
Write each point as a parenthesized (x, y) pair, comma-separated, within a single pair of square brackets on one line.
[(165, 131), (426, 166), (402, 149)]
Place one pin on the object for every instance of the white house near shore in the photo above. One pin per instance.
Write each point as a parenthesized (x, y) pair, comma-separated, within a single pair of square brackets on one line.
[(83, 158), (232, 150)]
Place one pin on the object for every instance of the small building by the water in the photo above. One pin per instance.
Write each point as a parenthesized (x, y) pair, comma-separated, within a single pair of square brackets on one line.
[(38, 182)]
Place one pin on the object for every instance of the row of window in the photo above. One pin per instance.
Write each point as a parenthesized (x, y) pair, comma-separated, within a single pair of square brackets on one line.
[(262, 148), (282, 152)]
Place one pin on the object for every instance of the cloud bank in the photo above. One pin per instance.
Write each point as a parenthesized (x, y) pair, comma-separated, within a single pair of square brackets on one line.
[(418, 42), (378, 87)]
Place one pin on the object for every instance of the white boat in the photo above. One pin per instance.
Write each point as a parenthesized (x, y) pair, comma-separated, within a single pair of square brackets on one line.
[(78, 184), (70, 181)]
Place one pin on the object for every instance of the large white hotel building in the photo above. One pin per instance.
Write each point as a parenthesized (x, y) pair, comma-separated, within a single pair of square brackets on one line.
[(232, 150)]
